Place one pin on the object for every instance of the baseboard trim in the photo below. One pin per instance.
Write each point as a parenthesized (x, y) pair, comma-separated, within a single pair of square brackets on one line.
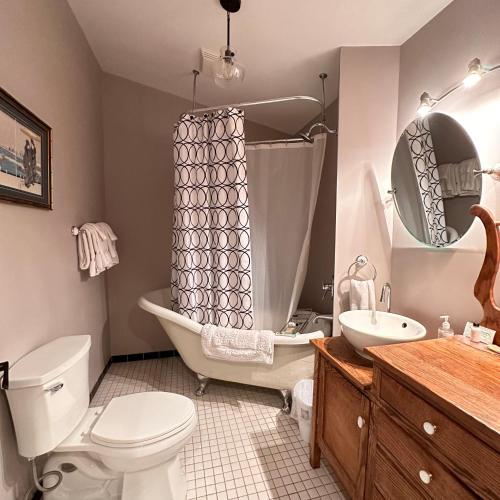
[(141, 356), (99, 380), (123, 358)]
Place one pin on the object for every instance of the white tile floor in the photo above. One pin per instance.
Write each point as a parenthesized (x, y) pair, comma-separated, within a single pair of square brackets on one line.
[(244, 447)]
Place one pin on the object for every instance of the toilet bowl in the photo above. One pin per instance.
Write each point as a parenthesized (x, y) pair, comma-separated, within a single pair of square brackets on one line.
[(126, 450), (129, 448)]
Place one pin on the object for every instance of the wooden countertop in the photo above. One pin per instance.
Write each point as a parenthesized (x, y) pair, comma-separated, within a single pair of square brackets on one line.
[(340, 353), (457, 378)]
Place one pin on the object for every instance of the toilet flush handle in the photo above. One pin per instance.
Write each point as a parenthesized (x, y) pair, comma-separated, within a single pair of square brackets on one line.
[(55, 387)]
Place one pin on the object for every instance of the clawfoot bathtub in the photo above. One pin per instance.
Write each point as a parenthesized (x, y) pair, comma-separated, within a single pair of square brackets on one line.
[(293, 356)]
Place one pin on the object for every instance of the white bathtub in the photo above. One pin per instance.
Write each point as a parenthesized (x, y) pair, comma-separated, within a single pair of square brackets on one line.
[(293, 356)]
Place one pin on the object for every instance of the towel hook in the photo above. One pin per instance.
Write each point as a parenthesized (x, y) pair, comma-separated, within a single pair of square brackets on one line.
[(361, 261), (75, 230)]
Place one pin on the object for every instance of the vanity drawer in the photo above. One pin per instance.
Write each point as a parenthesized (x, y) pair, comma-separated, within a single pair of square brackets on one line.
[(473, 460), (389, 483), (420, 468)]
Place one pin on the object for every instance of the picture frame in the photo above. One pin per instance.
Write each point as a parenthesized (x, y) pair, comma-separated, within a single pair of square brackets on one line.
[(25, 155)]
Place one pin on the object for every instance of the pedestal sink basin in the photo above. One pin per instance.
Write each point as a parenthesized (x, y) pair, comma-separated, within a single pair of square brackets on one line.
[(389, 328)]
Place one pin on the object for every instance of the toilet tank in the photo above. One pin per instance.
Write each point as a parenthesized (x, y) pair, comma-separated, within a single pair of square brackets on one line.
[(49, 393)]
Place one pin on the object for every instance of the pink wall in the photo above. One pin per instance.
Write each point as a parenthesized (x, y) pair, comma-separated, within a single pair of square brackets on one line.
[(428, 282), (367, 137), (48, 66), (138, 123)]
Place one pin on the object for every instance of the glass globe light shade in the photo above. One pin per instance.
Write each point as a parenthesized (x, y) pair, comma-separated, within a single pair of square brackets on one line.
[(227, 70)]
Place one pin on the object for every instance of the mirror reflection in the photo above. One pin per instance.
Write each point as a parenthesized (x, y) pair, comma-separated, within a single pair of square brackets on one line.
[(433, 179)]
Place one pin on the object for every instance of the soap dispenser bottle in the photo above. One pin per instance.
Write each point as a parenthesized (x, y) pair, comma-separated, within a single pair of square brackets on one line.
[(445, 329)]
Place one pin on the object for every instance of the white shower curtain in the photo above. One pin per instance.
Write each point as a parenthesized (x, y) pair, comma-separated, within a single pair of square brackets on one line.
[(211, 265), (283, 183)]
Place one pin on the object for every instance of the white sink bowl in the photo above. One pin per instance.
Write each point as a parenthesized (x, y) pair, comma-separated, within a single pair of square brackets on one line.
[(361, 332)]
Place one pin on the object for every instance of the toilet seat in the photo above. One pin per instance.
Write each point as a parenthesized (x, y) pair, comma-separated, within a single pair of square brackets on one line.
[(141, 419), (169, 440)]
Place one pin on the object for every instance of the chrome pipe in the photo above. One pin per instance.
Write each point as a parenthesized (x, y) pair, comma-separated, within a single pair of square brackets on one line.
[(279, 141), (195, 76), (327, 317), (256, 103), (385, 295)]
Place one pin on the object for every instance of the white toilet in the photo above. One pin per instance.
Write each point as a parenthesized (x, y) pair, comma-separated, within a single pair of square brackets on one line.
[(128, 449)]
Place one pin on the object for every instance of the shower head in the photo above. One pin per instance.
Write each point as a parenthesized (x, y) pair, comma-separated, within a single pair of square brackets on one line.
[(307, 138)]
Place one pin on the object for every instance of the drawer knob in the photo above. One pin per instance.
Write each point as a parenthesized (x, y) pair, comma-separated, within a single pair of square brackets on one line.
[(425, 477), (361, 422), (429, 428)]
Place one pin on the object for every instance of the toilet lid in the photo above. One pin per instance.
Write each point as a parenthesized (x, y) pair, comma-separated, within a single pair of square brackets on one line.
[(141, 417)]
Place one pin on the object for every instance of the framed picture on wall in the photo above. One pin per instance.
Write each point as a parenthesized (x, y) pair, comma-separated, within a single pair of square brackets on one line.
[(25, 169)]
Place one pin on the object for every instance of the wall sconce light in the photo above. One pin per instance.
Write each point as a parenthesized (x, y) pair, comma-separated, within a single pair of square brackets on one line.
[(475, 72), (426, 104)]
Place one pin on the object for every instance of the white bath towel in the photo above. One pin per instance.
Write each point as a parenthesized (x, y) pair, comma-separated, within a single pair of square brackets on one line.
[(244, 346), (96, 248), (447, 180), (468, 183), (458, 179), (362, 294), (108, 245)]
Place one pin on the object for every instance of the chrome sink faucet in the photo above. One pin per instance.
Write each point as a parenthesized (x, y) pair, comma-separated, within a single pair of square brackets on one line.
[(385, 296)]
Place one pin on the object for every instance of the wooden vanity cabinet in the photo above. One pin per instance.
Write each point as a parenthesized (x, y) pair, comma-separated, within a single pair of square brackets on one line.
[(341, 413), (435, 422), (422, 422)]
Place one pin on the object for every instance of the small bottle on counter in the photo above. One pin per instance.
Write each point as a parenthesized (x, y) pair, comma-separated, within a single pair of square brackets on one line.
[(445, 329), (475, 333)]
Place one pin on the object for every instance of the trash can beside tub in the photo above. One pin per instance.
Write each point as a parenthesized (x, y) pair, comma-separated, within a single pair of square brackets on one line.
[(303, 400)]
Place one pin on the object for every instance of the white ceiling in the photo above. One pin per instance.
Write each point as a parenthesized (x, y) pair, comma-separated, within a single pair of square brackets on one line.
[(284, 44)]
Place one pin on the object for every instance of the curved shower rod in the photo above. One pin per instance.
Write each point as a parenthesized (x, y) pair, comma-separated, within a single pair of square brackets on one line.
[(302, 136), (256, 103)]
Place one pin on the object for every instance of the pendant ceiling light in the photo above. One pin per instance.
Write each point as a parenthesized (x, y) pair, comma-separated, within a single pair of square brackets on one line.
[(228, 72)]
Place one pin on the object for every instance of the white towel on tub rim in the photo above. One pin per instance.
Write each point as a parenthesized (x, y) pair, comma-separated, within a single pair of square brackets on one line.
[(243, 346)]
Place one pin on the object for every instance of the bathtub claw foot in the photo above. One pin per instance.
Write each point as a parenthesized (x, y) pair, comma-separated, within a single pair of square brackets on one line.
[(286, 396), (202, 384)]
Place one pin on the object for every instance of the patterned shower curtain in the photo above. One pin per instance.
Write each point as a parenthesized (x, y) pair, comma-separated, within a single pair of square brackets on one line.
[(418, 135), (211, 265)]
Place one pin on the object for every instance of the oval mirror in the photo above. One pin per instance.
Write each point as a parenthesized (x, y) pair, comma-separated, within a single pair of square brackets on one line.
[(434, 181)]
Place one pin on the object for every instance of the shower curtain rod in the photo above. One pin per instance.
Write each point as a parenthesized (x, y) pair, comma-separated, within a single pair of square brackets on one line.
[(302, 137), (276, 141), (257, 103)]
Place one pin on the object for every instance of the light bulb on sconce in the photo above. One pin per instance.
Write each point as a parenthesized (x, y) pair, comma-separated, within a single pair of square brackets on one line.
[(474, 73), (426, 104)]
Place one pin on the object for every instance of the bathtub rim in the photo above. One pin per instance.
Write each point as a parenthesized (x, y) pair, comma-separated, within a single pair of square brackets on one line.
[(148, 302)]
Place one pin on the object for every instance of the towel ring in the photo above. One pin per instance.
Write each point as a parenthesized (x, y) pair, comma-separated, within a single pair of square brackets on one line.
[(361, 261)]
